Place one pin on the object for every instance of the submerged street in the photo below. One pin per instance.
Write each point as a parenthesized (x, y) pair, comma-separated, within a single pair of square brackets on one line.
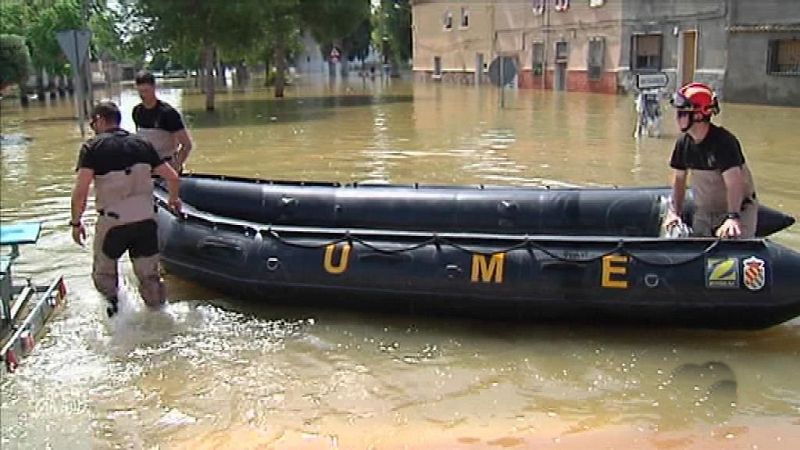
[(217, 372)]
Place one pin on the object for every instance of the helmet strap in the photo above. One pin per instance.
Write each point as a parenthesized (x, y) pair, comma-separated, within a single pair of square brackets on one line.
[(688, 125), (692, 121)]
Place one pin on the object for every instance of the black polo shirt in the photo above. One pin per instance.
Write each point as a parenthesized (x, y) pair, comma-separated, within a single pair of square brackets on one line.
[(116, 150)]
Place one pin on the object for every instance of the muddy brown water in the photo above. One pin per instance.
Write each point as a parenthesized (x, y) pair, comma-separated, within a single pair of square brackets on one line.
[(214, 372)]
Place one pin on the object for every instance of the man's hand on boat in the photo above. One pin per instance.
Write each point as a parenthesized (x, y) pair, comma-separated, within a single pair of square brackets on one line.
[(78, 232), (175, 204), (166, 172), (731, 228), (674, 227)]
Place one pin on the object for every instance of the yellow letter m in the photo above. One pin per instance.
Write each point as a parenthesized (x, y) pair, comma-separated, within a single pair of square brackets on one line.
[(484, 271)]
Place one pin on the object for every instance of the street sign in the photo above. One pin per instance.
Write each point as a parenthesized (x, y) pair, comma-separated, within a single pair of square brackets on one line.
[(74, 44), (651, 80), (502, 70)]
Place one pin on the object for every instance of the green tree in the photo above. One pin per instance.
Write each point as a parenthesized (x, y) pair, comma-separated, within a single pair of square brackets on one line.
[(15, 61), (392, 31), (50, 18), (356, 44), (280, 39), (208, 26), (330, 21), (107, 34), (14, 17)]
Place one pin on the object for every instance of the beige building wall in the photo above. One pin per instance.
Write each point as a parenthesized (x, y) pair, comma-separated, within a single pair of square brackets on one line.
[(456, 46), (511, 27)]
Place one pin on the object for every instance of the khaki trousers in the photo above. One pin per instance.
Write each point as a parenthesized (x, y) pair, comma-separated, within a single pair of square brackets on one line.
[(104, 270)]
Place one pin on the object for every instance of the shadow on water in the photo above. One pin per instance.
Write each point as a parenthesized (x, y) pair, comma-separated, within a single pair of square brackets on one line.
[(295, 109)]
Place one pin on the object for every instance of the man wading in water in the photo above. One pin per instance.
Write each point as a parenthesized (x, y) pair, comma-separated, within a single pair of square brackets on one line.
[(160, 124), (120, 165)]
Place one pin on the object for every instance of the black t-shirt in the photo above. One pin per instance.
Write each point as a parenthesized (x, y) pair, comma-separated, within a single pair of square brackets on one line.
[(720, 151), (116, 150), (162, 116)]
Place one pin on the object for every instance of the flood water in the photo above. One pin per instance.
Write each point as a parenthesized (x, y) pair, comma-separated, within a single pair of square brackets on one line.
[(215, 372)]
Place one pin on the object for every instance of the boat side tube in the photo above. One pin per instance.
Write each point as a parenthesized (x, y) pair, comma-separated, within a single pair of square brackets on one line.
[(745, 284), (634, 212)]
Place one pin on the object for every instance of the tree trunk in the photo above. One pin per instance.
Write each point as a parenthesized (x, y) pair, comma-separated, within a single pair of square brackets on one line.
[(201, 74), (267, 69), (62, 86), (40, 85), (344, 67), (245, 73), (280, 68), (23, 94), (221, 80), (208, 53)]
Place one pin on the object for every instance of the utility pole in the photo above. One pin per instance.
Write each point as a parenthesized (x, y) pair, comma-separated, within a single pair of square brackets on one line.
[(546, 20), (87, 68)]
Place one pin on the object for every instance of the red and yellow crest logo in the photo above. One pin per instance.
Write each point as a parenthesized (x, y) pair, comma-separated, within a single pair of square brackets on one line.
[(754, 273)]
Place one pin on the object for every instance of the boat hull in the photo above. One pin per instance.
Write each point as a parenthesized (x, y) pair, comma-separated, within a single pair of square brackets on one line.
[(746, 284)]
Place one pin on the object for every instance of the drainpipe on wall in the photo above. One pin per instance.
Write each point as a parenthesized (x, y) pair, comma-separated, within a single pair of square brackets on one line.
[(546, 19), (492, 35)]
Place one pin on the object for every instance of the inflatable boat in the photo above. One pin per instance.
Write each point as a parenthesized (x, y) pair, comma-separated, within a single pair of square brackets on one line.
[(566, 254)]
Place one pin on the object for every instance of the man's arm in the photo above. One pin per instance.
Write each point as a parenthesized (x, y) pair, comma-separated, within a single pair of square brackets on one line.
[(186, 145), (734, 186), (79, 195), (678, 191), (166, 172)]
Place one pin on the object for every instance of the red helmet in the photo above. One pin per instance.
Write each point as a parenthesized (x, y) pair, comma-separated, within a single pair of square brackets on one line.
[(697, 97)]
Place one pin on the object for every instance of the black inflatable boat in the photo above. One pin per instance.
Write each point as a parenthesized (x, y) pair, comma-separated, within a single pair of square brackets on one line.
[(576, 254)]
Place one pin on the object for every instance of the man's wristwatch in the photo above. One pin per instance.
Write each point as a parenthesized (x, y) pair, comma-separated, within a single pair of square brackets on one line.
[(733, 215), (75, 224)]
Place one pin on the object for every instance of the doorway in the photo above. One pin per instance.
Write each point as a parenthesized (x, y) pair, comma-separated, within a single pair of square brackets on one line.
[(688, 56), (561, 77)]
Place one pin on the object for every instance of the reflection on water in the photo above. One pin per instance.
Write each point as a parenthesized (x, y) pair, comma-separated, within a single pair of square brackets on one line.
[(211, 372)]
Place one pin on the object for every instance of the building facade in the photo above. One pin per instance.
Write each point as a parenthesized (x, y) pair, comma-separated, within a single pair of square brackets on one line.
[(764, 52), (599, 45)]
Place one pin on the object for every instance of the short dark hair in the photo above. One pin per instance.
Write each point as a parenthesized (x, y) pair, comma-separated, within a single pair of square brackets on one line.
[(108, 111), (145, 77)]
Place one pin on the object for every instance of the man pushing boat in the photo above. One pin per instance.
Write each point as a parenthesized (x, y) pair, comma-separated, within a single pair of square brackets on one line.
[(723, 188), (120, 164), (161, 124)]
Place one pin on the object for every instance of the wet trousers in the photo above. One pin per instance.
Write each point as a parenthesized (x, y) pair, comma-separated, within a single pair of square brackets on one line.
[(140, 239)]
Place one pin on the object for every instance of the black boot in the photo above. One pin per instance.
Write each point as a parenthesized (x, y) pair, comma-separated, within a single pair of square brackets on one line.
[(113, 306)]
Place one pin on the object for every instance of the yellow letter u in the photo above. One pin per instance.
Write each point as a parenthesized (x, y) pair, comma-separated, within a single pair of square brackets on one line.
[(342, 265)]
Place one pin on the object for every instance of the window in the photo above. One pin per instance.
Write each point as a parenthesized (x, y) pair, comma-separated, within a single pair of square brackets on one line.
[(447, 20), (464, 18), (783, 57), (596, 57), (646, 52), (538, 7), (561, 5), (562, 51), (537, 58)]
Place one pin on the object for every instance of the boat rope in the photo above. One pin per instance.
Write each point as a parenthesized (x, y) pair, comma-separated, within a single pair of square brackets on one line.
[(527, 243)]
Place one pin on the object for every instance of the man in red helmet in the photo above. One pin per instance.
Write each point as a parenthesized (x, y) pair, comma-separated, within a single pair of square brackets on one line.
[(723, 188)]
